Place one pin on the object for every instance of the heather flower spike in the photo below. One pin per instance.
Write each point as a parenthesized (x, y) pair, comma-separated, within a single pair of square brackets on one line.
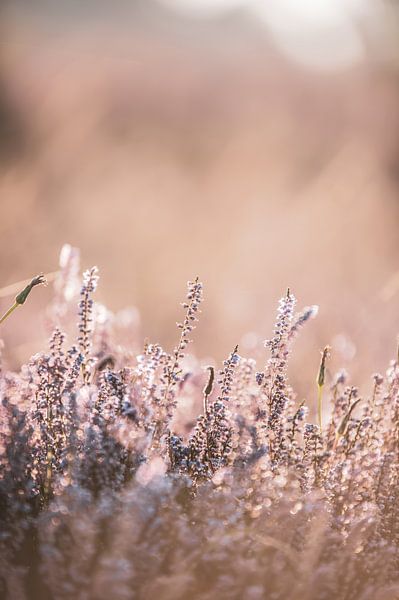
[(22, 296), (85, 325), (173, 370)]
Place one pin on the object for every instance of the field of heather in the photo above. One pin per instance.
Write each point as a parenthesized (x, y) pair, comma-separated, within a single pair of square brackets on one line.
[(235, 437), (152, 475)]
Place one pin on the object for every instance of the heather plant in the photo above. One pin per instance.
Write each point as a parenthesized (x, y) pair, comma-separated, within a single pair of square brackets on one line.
[(109, 490)]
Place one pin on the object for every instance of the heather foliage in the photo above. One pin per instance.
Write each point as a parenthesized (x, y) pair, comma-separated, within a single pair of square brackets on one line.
[(108, 490)]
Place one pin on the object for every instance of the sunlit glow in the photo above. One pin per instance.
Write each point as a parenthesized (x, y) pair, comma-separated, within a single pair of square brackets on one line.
[(316, 33), (320, 34)]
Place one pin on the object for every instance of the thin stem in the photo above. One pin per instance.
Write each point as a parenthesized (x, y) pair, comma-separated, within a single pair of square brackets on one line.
[(208, 388), (9, 311), (319, 406), (320, 383)]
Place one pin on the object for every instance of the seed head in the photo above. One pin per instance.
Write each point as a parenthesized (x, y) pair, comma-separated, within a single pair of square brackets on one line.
[(22, 296)]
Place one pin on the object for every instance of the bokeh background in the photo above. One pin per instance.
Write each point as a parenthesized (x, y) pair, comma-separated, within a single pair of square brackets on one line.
[(253, 143)]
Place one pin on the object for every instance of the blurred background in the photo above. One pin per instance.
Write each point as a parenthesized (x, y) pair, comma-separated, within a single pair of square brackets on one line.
[(253, 143)]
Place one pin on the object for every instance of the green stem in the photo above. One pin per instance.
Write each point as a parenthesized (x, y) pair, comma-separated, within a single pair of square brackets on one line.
[(10, 310), (319, 405)]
